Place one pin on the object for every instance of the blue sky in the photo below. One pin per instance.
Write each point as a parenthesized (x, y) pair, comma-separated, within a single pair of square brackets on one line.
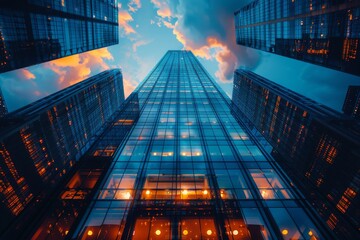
[(149, 28)]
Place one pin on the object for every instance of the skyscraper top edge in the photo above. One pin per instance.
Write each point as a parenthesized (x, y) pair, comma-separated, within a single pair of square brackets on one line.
[(48, 101), (339, 123), (305, 102)]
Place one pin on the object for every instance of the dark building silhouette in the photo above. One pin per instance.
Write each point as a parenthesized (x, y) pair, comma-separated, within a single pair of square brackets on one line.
[(3, 108), (70, 199), (321, 32), (351, 105), (41, 142), (34, 31), (318, 147), (188, 169)]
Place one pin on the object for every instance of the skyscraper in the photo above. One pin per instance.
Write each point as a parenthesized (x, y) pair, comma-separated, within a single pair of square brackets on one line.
[(316, 146), (40, 142), (321, 32), (351, 105), (60, 212), (188, 169), (3, 108), (33, 32)]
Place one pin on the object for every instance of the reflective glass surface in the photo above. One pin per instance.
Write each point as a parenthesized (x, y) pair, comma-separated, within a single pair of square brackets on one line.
[(189, 170)]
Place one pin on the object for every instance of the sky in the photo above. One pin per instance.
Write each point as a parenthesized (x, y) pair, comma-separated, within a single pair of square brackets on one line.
[(149, 28)]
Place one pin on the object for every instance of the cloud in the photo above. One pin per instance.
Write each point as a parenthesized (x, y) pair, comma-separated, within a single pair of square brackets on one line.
[(124, 19), (163, 8), (206, 27), (27, 74), (75, 68), (134, 5), (129, 85), (138, 44)]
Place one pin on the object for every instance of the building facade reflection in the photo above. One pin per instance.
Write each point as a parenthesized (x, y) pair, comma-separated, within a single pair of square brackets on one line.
[(321, 32), (189, 170), (34, 31), (41, 142), (317, 146)]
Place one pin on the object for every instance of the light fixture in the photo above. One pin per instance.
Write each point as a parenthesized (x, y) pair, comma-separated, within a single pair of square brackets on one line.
[(310, 233), (147, 192), (90, 233), (235, 232), (209, 232), (158, 232), (284, 232), (185, 192), (185, 232), (205, 192)]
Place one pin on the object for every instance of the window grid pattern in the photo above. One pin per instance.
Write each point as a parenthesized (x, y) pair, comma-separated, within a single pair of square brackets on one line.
[(189, 170), (321, 32), (51, 29)]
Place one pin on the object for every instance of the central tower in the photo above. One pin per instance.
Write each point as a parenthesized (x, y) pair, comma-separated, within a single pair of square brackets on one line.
[(189, 170)]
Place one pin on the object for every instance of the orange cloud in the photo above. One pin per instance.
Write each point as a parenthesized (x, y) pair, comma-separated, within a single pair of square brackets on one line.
[(213, 49), (168, 24), (164, 9), (128, 86), (134, 5), (124, 19), (25, 73), (75, 68)]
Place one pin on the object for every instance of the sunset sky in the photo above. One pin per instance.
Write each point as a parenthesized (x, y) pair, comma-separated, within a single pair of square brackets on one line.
[(149, 28)]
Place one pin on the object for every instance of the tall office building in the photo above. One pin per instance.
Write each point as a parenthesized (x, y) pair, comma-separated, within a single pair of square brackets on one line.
[(189, 170), (318, 147), (321, 32), (61, 211), (3, 108), (33, 31), (351, 105), (40, 142)]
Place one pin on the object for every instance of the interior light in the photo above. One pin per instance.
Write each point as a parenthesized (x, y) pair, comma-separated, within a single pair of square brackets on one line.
[(185, 232), (127, 195), (235, 232), (310, 233), (264, 194), (205, 192), (158, 232), (185, 192), (90, 233), (209, 232), (284, 232), (66, 232), (147, 192)]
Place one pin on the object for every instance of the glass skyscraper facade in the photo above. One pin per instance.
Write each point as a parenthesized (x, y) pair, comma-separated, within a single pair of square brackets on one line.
[(321, 32), (35, 31), (351, 105), (3, 108), (316, 146), (188, 169), (41, 142)]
